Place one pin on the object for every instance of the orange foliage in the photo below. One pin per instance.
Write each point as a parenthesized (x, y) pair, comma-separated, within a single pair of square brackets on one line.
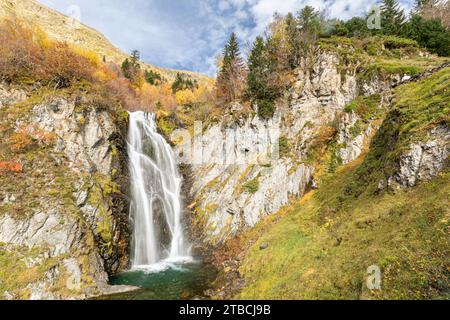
[(28, 135), (27, 54), (8, 166)]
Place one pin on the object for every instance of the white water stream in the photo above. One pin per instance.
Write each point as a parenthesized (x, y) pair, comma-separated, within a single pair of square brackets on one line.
[(156, 208)]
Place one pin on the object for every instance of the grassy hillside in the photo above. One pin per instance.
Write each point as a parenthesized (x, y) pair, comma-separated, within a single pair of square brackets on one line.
[(57, 26), (321, 247)]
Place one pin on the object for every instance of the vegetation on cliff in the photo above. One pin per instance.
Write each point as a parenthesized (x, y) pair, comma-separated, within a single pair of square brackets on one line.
[(322, 246), (37, 177), (296, 40)]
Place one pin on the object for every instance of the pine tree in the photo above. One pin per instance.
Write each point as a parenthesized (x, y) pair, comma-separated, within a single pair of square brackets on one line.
[(126, 68), (392, 17), (308, 20), (152, 77), (293, 37), (135, 57), (261, 84), (310, 25), (230, 81), (131, 67)]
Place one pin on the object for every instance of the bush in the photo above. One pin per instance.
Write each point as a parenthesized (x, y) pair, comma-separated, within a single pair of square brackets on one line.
[(252, 186), (393, 42), (266, 108), (283, 146), (23, 57)]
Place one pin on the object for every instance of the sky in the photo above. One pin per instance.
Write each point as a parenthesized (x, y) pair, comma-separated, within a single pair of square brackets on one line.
[(189, 34)]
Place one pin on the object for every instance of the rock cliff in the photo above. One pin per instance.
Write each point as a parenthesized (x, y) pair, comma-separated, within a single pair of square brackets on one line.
[(63, 212), (243, 174)]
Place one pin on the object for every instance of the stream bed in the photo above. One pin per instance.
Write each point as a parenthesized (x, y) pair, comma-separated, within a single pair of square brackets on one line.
[(173, 281)]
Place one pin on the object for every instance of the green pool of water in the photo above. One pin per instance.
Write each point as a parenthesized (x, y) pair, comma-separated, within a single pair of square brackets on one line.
[(175, 282)]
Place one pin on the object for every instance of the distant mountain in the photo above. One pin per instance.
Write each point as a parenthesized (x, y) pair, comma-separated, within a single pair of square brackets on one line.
[(58, 26)]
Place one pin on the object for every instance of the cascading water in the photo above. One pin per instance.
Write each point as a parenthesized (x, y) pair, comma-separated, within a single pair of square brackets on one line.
[(155, 192)]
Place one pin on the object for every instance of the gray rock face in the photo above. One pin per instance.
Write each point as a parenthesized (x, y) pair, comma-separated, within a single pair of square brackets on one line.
[(10, 96), (423, 162), (85, 143), (235, 194), (82, 137), (351, 144)]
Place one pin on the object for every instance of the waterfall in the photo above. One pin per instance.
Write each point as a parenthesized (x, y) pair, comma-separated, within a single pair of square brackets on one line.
[(155, 196)]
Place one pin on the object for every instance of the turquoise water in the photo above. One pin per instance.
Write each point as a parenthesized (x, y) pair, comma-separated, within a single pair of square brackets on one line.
[(175, 282)]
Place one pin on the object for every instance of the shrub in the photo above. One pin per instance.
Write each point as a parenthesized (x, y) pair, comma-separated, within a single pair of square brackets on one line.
[(28, 135), (25, 56), (252, 186), (393, 42), (9, 166), (266, 108)]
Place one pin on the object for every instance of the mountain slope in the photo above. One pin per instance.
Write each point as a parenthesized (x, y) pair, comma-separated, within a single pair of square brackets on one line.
[(387, 209), (58, 27)]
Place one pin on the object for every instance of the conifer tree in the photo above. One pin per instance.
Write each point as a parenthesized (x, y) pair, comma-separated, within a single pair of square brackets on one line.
[(262, 72), (131, 67), (261, 80), (230, 81), (293, 38), (392, 17)]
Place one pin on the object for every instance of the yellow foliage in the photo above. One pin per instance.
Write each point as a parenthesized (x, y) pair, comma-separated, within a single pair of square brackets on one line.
[(41, 38), (104, 74), (185, 97), (90, 55)]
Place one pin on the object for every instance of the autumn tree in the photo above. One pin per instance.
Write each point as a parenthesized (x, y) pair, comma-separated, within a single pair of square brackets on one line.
[(231, 78)]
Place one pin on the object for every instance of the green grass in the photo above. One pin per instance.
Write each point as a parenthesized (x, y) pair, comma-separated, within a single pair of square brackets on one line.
[(418, 107), (321, 248)]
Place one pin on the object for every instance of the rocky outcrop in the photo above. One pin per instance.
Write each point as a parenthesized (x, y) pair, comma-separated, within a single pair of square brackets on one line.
[(10, 95), (351, 138), (90, 140), (424, 161), (69, 227), (250, 167)]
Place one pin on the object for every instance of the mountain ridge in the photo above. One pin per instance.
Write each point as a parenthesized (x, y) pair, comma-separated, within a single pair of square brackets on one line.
[(56, 25)]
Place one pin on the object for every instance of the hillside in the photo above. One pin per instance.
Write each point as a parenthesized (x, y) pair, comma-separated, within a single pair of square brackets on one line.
[(384, 209), (57, 26)]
